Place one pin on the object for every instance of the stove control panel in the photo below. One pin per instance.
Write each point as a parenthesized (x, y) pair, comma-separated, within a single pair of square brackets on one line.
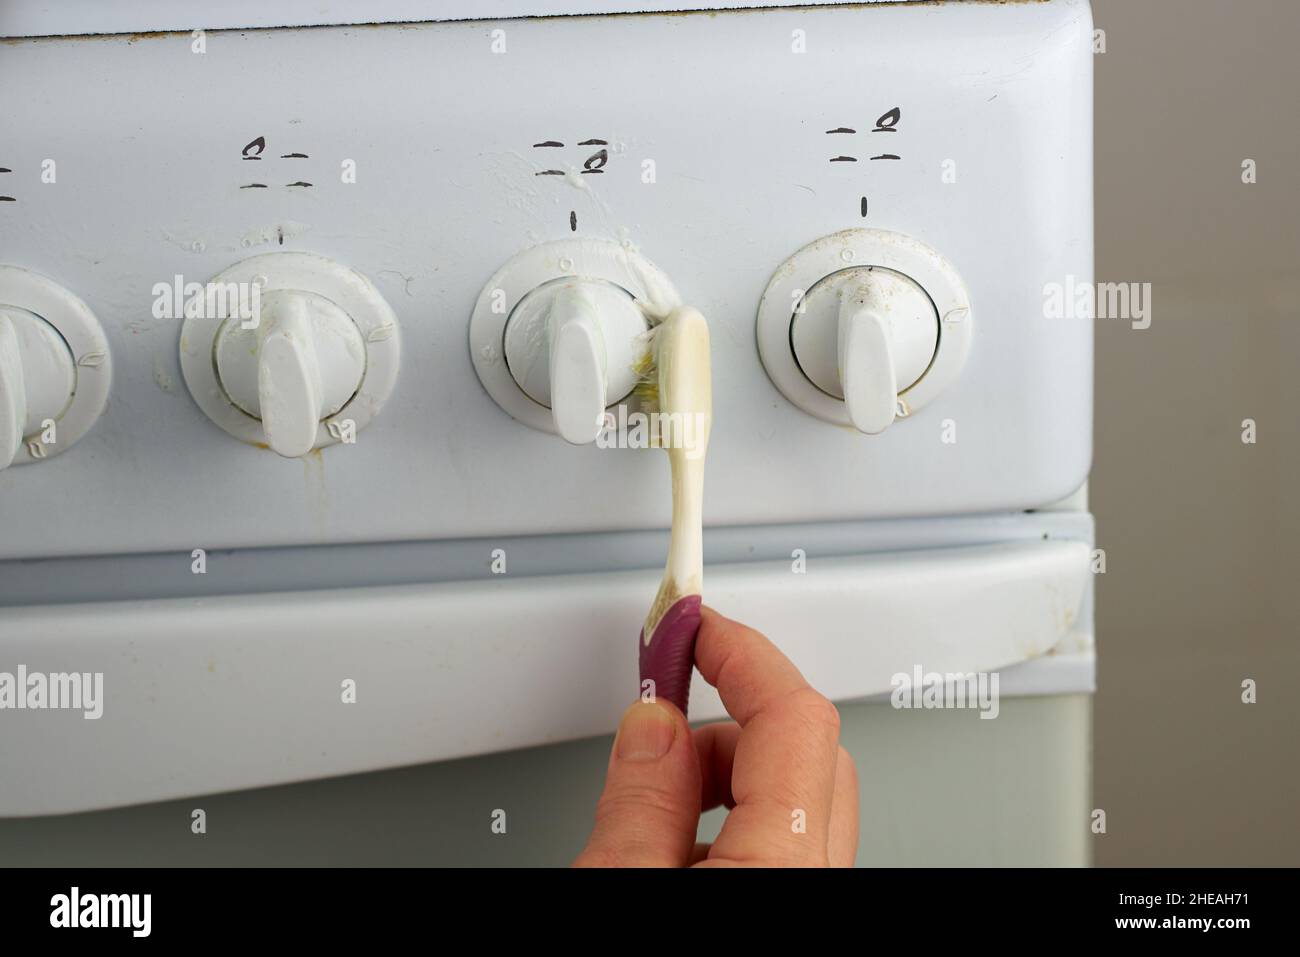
[(388, 283)]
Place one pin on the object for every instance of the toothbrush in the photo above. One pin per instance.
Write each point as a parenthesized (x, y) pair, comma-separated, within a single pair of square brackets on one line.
[(676, 385)]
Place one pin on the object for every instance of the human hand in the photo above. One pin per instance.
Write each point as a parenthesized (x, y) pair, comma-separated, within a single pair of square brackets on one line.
[(791, 789)]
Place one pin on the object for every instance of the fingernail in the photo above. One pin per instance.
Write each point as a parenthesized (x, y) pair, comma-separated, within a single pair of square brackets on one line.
[(645, 733)]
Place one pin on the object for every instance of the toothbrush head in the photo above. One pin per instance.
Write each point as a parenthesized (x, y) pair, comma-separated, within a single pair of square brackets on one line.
[(674, 379)]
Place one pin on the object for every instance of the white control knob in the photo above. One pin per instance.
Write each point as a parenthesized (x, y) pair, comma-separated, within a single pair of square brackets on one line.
[(55, 371), (13, 392), (559, 331), (301, 364), (572, 346), (864, 326), (37, 377), (865, 335), (301, 353), (577, 367)]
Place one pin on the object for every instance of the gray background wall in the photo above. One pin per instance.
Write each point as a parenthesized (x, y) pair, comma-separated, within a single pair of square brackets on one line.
[(1202, 532)]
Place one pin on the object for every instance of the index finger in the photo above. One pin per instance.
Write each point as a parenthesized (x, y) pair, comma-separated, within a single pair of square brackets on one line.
[(783, 776), (749, 671)]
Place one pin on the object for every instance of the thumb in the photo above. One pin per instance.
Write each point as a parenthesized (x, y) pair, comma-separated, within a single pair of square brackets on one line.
[(650, 810)]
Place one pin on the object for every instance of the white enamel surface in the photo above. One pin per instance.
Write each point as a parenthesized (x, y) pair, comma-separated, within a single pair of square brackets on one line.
[(447, 191), (248, 692)]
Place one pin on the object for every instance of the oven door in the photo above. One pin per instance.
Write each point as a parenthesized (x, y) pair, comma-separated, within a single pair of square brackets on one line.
[(200, 695)]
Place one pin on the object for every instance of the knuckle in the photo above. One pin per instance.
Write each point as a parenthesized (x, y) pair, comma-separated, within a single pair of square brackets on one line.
[(817, 709), (638, 800)]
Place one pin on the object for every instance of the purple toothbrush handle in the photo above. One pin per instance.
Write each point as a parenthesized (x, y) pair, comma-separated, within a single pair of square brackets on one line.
[(670, 656)]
